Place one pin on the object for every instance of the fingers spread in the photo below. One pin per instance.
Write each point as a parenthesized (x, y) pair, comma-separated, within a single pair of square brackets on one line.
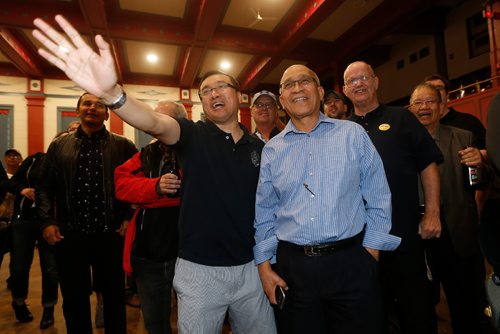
[(75, 37), (52, 59), (60, 43)]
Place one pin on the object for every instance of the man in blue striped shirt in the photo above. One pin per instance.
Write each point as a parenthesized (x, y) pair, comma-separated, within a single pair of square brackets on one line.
[(323, 211)]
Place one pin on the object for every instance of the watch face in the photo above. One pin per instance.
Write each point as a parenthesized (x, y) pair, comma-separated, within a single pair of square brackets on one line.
[(119, 102)]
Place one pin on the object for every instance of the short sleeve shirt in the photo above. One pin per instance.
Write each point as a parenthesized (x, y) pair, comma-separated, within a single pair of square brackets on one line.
[(406, 148), (218, 194)]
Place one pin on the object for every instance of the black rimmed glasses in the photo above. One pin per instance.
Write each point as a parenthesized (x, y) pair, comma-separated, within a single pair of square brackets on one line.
[(219, 88)]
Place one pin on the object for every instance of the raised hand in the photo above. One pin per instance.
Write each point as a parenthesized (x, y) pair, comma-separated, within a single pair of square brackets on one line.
[(93, 72), (96, 74)]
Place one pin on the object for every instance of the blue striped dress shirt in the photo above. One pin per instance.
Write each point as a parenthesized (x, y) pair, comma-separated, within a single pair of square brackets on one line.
[(321, 186)]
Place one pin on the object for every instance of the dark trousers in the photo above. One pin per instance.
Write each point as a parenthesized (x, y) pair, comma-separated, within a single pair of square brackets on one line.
[(76, 255), (25, 234), (154, 285), (489, 232), (463, 283), (407, 293), (334, 293)]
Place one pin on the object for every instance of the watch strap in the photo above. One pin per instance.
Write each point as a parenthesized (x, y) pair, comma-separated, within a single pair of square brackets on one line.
[(119, 102)]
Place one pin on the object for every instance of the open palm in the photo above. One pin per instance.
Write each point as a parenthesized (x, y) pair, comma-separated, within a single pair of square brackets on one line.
[(93, 72)]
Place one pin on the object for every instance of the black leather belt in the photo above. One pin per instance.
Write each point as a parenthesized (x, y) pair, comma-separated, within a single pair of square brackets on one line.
[(326, 248)]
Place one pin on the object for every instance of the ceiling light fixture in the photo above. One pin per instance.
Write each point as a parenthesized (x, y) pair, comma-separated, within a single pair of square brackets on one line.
[(152, 58), (225, 65)]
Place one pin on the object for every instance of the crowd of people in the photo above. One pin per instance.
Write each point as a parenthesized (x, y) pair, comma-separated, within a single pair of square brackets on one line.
[(348, 218)]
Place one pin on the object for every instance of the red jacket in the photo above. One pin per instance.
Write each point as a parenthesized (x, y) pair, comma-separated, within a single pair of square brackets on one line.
[(132, 186)]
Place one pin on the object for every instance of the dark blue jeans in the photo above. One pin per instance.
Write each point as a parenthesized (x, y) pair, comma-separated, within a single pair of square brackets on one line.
[(25, 234), (154, 285)]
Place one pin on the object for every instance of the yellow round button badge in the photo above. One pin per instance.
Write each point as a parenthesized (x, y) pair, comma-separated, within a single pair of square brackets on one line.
[(384, 127)]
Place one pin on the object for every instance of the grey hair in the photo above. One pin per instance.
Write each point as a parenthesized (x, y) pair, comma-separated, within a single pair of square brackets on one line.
[(427, 86), (180, 110)]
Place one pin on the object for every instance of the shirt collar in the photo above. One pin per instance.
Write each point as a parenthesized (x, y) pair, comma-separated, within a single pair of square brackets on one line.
[(290, 127), (216, 131), (96, 135), (374, 113), (273, 133)]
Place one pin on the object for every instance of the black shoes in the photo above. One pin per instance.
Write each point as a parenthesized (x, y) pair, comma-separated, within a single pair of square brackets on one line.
[(23, 314), (47, 317)]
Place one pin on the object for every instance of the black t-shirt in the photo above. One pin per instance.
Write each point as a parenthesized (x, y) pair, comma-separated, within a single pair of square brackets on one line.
[(466, 121), (406, 148), (218, 194)]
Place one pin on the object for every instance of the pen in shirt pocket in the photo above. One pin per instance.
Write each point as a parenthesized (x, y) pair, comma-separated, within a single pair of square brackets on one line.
[(307, 188)]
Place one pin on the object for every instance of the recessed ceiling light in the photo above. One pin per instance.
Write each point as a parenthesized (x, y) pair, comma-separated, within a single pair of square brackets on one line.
[(152, 58), (225, 65)]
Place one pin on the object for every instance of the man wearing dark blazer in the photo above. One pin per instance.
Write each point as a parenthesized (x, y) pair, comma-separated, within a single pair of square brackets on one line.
[(455, 256)]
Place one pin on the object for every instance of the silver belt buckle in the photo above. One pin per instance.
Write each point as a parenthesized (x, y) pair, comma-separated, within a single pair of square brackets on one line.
[(309, 251)]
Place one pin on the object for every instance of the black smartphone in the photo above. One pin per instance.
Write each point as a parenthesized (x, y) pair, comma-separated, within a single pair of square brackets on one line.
[(280, 297)]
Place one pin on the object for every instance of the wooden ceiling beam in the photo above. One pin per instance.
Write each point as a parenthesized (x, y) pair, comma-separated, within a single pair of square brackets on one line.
[(207, 19), (306, 19), (126, 25), (189, 65), (385, 17), (20, 14), (18, 54), (389, 16), (94, 13)]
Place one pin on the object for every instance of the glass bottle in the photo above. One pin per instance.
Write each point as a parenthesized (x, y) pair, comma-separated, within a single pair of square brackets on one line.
[(173, 169)]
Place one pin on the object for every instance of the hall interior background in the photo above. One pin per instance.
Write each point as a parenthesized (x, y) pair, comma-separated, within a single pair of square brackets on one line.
[(34, 110)]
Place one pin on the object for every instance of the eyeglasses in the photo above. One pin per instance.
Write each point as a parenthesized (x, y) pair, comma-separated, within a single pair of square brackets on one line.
[(354, 81), (221, 87), (263, 106), (303, 82), (419, 104)]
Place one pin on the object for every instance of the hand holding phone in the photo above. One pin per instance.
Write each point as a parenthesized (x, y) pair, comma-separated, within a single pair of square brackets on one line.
[(280, 297)]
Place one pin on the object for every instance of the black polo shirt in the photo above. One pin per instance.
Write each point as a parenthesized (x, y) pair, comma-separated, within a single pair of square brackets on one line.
[(406, 148), (218, 194)]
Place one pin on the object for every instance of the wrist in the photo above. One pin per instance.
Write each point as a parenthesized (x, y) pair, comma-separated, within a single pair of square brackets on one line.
[(112, 95), (431, 212), (157, 188), (264, 266)]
